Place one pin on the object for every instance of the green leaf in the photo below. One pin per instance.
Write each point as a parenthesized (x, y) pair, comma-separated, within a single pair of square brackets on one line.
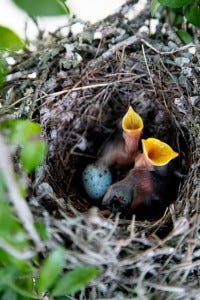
[(15, 281), (154, 6), (20, 131), (42, 7), (50, 269), (74, 280), (10, 40), (27, 134), (7, 221), (192, 13), (184, 36), (3, 69), (175, 3), (21, 291), (32, 154), (13, 265), (25, 283), (175, 16), (9, 294), (41, 229), (2, 189)]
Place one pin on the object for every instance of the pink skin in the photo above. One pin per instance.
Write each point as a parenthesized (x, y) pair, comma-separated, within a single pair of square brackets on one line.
[(123, 152), (137, 184), (141, 162)]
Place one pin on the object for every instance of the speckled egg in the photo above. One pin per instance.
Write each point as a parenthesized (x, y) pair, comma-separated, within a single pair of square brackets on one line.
[(96, 180)]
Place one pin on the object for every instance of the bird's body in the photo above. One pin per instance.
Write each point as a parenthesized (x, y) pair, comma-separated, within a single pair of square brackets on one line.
[(149, 186), (142, 192), (115, 154)]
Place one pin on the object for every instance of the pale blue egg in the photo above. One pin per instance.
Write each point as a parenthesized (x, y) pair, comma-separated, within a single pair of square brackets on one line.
[(96, 180)]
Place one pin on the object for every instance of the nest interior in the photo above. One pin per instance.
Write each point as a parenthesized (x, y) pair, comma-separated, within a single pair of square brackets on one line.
[(86, 116), (96, 117), (82, 88)]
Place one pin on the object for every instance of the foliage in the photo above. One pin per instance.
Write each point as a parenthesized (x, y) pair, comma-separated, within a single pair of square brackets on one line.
[(184, 36), (192, 13), (37, 8), (21, 272), (26, 134), (74, 280), (70, 282), (10, 40), (174, 3), (177, 10), (3, 69)]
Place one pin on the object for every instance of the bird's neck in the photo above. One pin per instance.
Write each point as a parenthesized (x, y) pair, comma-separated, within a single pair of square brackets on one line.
[(141, 162), (131, 140)]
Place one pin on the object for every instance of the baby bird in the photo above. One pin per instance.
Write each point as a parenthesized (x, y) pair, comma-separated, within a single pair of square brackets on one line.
[(122, 152), (149, 187)]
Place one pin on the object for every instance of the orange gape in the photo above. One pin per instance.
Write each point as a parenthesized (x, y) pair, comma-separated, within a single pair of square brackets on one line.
[(155, 153)]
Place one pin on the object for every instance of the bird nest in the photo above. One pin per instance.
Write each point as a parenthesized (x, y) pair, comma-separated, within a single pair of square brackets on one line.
[(90, 112), (82, 88)]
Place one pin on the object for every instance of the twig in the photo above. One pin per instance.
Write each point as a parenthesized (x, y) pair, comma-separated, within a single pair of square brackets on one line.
[(149, 251), (82, 88), (14, 196), (94, 63), (18, 101), (145, 59), (173, 289), (169, 52)]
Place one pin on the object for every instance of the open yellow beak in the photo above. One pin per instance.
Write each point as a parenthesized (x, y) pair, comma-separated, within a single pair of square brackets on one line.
[(157, 152), (132, 126), (132, 122)]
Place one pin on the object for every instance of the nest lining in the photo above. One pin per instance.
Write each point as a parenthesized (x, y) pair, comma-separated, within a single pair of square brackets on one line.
[(135, 258), (97, 115)]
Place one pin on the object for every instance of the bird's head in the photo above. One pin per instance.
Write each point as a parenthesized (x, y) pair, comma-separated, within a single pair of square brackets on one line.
[(155, 154), (119, 196)]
